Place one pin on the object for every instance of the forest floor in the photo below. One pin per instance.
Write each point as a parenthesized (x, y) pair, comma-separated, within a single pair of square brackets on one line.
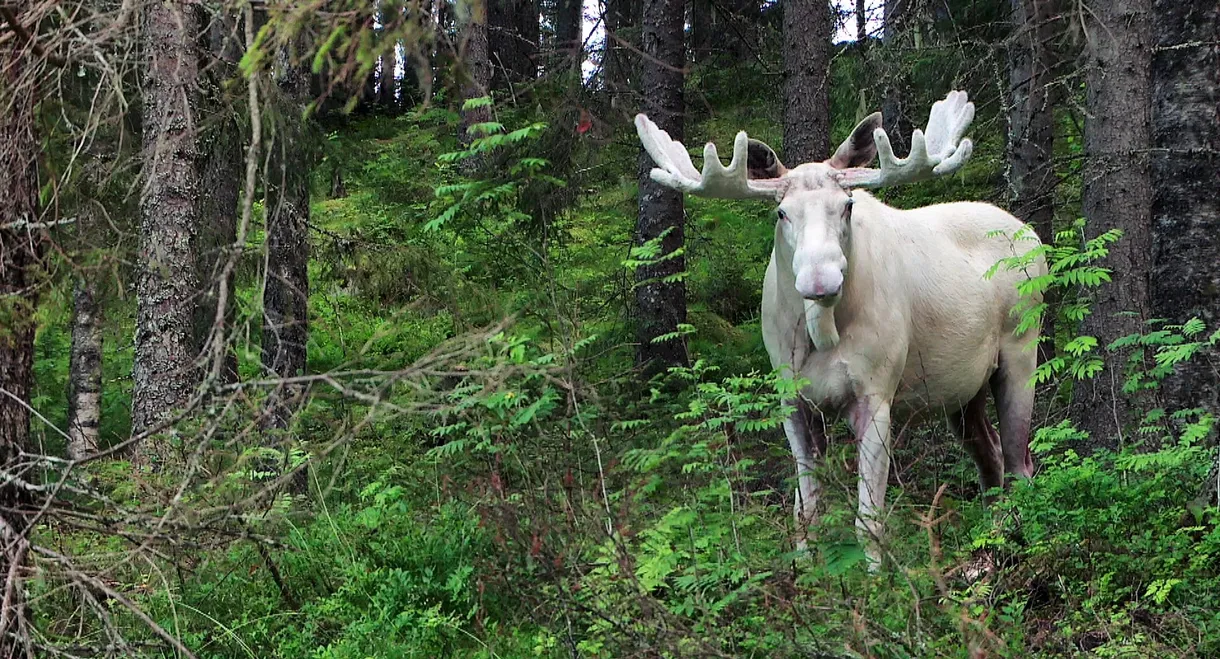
[(482, 529)]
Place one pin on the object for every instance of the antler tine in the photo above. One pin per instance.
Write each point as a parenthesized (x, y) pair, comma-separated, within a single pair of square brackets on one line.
[(675, 169), (938, 152)]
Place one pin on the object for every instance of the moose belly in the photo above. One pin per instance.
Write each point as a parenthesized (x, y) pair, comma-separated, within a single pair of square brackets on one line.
[(946, 377)]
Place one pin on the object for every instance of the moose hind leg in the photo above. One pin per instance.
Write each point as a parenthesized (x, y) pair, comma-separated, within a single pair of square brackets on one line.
[(981, 441), (1014, 402), (807, 437)]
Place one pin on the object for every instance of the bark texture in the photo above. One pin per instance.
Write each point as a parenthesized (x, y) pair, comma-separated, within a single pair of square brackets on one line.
[(222, 166), (741, 31), (807, 34), (1186, 190), (894, 111), (85, 370), (861, 21), (164, 373), (478, 67), (1117, 194), (701, 29), (286, 289), (569, 42), (622, 21), (1031, 134), (387, 82), (513, 42), (661, 305), (20, 254)]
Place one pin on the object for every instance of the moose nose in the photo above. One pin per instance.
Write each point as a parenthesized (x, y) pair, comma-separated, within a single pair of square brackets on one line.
[(820, 284)]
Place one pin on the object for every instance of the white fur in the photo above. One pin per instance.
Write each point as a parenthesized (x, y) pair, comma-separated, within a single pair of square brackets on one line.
[(917, 325), (914, 323)]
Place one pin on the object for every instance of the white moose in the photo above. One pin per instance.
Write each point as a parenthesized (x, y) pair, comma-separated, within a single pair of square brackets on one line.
[(883, 308)]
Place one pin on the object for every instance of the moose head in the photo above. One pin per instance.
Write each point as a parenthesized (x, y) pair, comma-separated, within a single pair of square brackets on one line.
[(814, 199)]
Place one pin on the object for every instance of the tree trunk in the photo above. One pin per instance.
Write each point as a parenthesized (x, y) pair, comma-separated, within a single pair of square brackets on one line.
[(569, 41), (1031, 131), (512, 41), (528, 34), (895, 115), (219, 208), (892, 15), (807, 35), (164, 373), (20, 254), (85, 369), (1117, 194), (661, 304), (286, 289), (388, 82), (1186, 174), (477, 78), (742, 38), (621, 19), (862, 22), (701, 30)]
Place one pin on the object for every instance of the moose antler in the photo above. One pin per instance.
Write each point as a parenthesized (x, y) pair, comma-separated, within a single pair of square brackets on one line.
[(934, 152), (675, 169)]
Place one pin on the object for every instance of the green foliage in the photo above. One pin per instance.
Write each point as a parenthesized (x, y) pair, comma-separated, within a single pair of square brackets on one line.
[(539, 500)]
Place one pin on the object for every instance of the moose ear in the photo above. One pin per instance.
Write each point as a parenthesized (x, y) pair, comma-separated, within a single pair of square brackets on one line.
[(761, 161), (858, 149)]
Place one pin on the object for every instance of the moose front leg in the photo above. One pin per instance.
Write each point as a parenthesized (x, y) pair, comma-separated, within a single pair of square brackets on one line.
[(870, 420), (807, 436)]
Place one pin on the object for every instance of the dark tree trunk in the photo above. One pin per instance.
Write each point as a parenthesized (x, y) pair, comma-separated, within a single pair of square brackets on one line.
[(892, 16), (219, 208), (622, 19), (862, 22), (1117, 194), (1031, 131), (807, 35), (85, 369), (1186, 175), (20, 254), (513, 42), (660, 304), (742, 38), (569, 42), (387, 90), (286, 290), (164, 373), (477, 74), (894, 111), (701, 29)]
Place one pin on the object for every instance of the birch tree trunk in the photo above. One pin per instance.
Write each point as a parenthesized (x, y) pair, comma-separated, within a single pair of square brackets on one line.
[(164, 373), (1117, 194), (661, 304), (85, 369), (807, 35), (1186, 175)]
